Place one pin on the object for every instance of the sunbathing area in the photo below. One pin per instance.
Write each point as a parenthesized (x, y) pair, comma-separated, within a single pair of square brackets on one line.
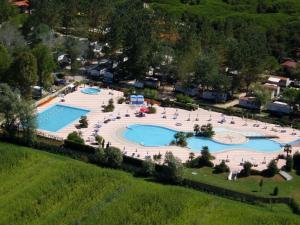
[(139, 134)]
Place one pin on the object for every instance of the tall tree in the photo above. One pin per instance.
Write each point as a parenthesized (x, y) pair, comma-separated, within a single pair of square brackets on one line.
[(5, 62), (45, 65), (24, 73)]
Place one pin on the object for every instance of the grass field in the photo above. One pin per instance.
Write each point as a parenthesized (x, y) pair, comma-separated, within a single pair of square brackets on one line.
[(249, 184), (40, 188)]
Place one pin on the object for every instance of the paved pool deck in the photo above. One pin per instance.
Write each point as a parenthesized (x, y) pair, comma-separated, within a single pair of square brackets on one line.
[(228, 132)]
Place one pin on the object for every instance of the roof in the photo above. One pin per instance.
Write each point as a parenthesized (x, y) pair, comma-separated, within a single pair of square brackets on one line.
[(289, 64), (271, 86), (24, 3), (277, 78)]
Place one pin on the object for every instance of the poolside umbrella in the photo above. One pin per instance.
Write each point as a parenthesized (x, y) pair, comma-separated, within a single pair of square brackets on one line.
[(144, 110)]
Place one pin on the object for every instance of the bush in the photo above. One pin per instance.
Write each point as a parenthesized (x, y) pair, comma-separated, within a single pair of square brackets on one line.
[(99, 139), (83, 122), (221, 168), (111, 157), (150, 93), (184, 99), (78, 147), (152, 110), (121, 100), (172, 169), (246, 171), (288, 164), (110, 107), (75, 137), (207, 131), (168, 103), (272, 169), (202, 161), (148, 167), (296, 161), (275, 191)]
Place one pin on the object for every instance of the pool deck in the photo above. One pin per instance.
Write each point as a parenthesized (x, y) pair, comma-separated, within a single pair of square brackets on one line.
[(113, 130)]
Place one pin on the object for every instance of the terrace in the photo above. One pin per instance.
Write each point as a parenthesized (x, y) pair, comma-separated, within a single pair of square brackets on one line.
[(233, 128)]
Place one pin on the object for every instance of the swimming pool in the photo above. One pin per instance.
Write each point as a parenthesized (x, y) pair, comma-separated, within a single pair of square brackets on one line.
[(57, 117), (91, 91), (148, 135)]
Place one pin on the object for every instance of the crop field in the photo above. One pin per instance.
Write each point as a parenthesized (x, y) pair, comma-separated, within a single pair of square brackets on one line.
[(39, 188)]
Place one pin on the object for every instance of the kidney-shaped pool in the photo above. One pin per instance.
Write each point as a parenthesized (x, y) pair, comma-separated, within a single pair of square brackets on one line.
[(150, 136)]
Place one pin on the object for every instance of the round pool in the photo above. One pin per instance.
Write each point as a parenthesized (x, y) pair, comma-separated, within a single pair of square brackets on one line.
[(91, 91)]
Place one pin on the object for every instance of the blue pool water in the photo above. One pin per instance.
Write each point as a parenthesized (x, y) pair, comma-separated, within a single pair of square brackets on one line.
[(91, 91), (148, 135), (57, 117)]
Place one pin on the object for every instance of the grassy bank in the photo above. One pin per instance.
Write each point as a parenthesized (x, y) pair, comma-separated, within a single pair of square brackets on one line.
[(40, 188), (248, 184)]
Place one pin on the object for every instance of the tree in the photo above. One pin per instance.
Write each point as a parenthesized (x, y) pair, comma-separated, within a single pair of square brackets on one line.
[(204, 159), (246, 171), (288, 149), (6, 10), (24, 73), (27, 119), (196, 129), (45, 65), (221, 168), (11, 38), (75, 137), (5, 62), (261, 184), (207, 131), (75, 48), (148, 167), (172, 170), (18, 114), (291, 96), (296, 161), (288, 164), (83, 122), (261, 94), (272, 169)]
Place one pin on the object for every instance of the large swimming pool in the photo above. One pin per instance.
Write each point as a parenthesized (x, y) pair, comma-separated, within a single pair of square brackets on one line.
[(57, 117), (148, 135)]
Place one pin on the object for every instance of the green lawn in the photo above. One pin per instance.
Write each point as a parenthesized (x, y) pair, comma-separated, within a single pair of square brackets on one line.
[(249, 184), (40, 188)]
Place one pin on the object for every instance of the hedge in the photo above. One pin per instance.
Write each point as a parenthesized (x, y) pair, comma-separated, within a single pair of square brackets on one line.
[(79, 147)]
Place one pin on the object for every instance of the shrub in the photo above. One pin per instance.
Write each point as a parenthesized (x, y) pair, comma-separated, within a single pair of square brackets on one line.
[(99, 139), (75, 137), (296, 161), (148, 167), (221, 168), (246, 171), (207, 131), (113, 157), (275, 191), (110, 107), (83, 122), (204, 159), (172, 170), (272, 169), (121, 100), (184, 99), (288, 164), (152, 110), (150, 93)]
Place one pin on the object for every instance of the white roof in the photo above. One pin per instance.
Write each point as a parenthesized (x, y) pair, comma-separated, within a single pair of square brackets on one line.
[(274, 79), (280, 103)]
